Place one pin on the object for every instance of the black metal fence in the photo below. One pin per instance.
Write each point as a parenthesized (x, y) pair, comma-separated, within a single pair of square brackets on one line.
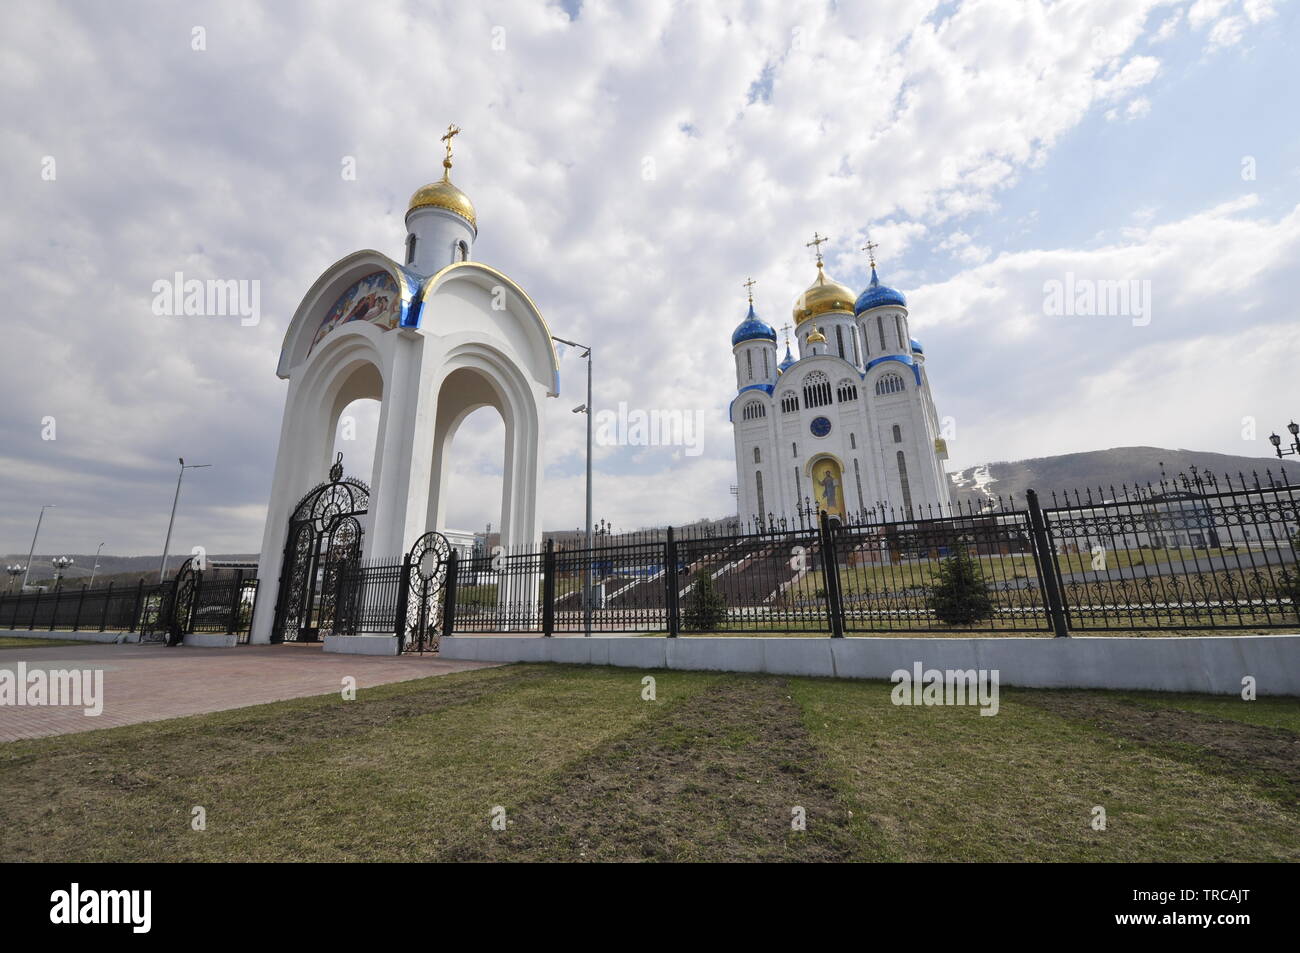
[(1195, 554), (222, 603)]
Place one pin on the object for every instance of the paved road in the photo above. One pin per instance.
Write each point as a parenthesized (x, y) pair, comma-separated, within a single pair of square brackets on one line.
[(152, 682)]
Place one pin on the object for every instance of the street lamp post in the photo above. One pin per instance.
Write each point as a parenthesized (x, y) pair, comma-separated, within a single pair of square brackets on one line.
[(60, 564), (162, 569), (95, 568), (589, 582), (28, 568), (1276, 441), (14, 572)]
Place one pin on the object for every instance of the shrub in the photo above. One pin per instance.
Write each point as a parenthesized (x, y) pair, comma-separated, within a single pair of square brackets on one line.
[(705, 607), (959, 595)]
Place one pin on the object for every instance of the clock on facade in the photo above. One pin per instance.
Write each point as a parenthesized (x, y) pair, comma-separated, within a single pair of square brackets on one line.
[(820, 426)]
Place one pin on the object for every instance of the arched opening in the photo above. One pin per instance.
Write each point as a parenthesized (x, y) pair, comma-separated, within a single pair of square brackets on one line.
[(468, 492), (356, 435)]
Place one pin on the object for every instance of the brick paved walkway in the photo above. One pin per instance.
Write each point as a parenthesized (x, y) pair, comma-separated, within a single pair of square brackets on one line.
[(153, 682)]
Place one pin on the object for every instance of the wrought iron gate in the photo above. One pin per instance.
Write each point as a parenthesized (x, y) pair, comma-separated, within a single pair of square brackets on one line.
[(323, 540), (425, 569)]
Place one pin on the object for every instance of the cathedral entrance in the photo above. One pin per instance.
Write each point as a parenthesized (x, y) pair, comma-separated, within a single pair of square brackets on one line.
[(323, 540)]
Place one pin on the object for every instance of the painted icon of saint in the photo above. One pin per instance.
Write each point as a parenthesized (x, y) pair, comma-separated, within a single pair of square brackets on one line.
[(829, 489)]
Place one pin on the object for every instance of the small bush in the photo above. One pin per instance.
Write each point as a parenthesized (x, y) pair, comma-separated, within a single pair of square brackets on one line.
[(705, 607), (959, 596)]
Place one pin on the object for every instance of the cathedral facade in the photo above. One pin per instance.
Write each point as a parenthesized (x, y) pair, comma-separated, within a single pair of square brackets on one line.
[(849, 426)]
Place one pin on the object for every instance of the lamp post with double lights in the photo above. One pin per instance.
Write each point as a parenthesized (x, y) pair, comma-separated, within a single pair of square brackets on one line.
[(1276, 441), (588, 581), (14, 572), (28, 568), (162, 569), (95, 568)]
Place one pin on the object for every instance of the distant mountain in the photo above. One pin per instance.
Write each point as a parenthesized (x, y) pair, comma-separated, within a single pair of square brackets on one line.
[(1103, 469), (117, 569)]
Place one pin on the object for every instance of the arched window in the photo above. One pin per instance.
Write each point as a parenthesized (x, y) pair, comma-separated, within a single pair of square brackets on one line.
[(766, 367), (866, 340), (853, 339), (462, 251), (749, 363), (410, 248), (789, 402), (794, 449), (902, 479), (898, 434), (880, 327), (853, 441), (898, 326), (758, 455), (889, 384), (754, 410), (816, 390), (839, 338), (758, 483), (846, 390)]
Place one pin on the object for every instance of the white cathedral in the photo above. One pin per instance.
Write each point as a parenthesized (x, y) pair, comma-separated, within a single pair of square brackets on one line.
[(850, 427)]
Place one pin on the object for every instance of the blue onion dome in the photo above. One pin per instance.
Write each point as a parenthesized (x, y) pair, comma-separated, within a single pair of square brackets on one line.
[(916, 347), (877, 295), (752, 328), (786, 362)]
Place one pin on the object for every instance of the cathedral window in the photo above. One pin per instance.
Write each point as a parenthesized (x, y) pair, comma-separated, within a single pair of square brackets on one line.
[(853, 339), (902, 479), (410, 248), (866, 340), (839, 338), (816, 390), (898, 326), (753, 410), (794, 449), (898, 434), (749, 364), (846, 391), (766, 367), (880, 328), (889, 384), (853, 441), (789, 402), (758, 455), (462, 251)]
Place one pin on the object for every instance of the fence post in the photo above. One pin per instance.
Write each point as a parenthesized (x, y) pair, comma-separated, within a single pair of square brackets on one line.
[(3, 595), (135, 610), (81, 601), (548, 589), (831, 577), (403, 600), (1046, 560), (232, 621), (670, 583), (449, 598), (108, 600)]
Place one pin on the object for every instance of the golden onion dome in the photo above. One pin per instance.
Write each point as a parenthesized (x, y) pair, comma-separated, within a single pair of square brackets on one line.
[(442, 194), (816, 337), (824, 296)]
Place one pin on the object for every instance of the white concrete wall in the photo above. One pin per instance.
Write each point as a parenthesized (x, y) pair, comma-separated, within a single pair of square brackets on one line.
[(1214, 665)]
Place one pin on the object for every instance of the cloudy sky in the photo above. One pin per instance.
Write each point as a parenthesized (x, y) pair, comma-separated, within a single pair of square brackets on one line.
[(632, 165)]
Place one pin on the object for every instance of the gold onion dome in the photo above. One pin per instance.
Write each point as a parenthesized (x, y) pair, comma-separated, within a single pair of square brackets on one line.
[(816, 337), (442, 194), (824, 296)]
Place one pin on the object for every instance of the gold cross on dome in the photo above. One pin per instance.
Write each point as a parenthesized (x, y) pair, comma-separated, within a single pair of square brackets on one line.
[(817, 244), (749, 285), (452, 130), (870, 248)]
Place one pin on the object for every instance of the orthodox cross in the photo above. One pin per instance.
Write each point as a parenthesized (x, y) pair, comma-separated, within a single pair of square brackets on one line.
[(870, 248), (452, 130), (749, 285), (816, 243)]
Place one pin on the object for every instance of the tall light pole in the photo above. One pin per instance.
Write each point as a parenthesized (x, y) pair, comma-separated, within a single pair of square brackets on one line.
[(162, 569), (28, 568), (95, 568), (589, 579)]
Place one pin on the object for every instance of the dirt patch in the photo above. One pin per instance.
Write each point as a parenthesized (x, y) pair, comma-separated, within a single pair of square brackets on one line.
[(1269, 758), (716, 778)]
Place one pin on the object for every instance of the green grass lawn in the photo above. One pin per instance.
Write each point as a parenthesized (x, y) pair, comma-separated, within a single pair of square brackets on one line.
[(14, 642), (711, 770)]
